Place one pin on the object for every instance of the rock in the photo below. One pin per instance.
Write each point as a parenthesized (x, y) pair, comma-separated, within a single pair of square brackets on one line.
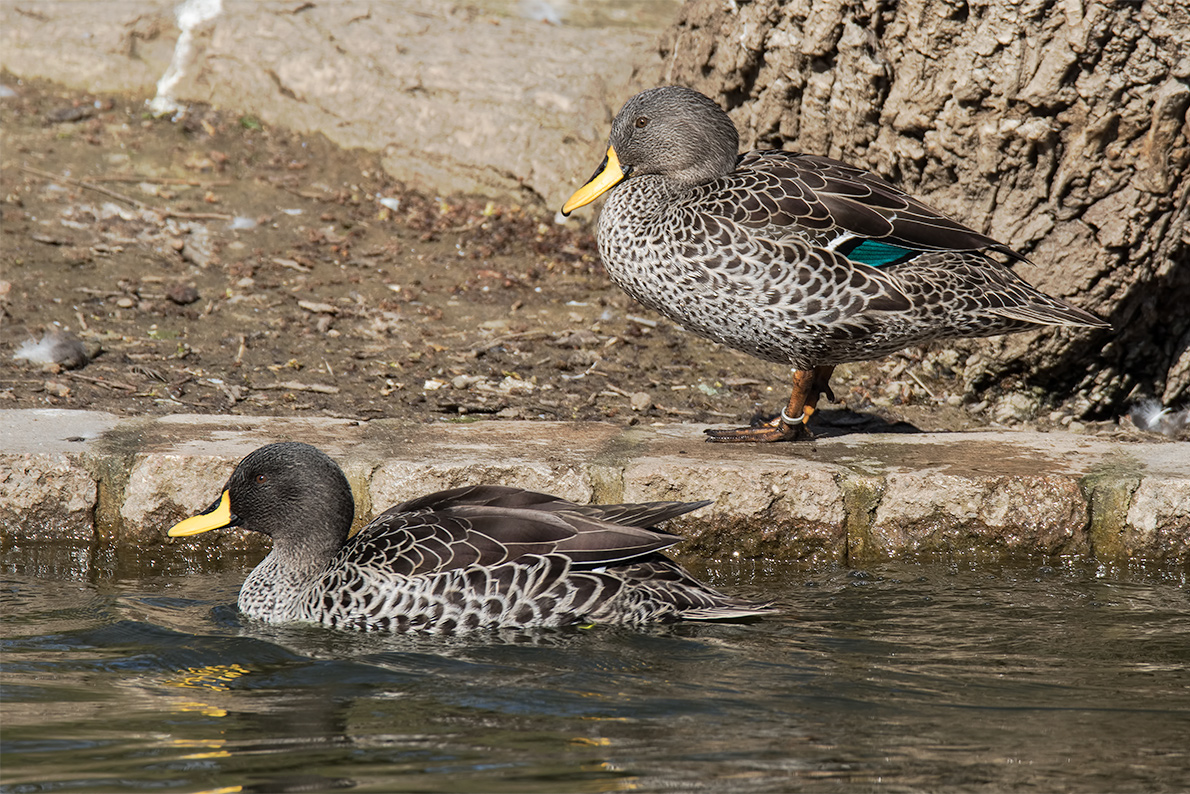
[(1015, 408), (198, 247), (764, 504), (317, 307), (960, 514), (56, 388), (165, 487), (1158, 518), (182, 294), (46, 496), (552, 460)]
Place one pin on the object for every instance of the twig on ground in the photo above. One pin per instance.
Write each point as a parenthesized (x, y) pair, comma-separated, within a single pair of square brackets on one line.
[(164, 213), (163, 180), (87, 185), (491, 343), (292, 385), (924, 387), (111, 384)]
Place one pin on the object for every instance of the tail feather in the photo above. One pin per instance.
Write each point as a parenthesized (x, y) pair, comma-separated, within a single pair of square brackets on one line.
[(731, 611), (1056, 313), (644, 514)]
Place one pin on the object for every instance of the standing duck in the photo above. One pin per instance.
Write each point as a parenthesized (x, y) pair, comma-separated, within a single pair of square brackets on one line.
[(793, 258), (479, 557)]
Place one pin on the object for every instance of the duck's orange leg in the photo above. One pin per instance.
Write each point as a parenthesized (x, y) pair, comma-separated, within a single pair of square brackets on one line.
[(790, 424)]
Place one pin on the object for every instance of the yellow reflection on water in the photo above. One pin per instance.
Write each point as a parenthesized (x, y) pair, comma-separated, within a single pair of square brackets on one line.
[(215, 677), (212, 676)]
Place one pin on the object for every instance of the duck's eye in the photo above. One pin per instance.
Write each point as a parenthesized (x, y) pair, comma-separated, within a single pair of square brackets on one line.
[(642, 121), (260, 478)]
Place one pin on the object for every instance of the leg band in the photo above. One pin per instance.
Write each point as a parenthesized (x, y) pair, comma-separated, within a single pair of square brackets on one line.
[(785, 418)]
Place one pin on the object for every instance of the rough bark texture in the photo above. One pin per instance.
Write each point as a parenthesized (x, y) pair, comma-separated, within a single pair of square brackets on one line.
[(1057, 126)]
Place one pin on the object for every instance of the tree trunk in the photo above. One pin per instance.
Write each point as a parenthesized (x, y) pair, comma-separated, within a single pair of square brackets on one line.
[(1057, 126)]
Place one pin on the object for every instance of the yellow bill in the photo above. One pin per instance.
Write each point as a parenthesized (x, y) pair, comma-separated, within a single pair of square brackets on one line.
[(216, 518), (608, 176)]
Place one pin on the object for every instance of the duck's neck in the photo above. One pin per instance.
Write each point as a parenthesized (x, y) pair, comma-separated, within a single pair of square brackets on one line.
[(273, 591)]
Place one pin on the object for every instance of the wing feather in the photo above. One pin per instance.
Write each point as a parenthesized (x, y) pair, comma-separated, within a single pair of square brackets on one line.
[(491, 525), (834, 195)]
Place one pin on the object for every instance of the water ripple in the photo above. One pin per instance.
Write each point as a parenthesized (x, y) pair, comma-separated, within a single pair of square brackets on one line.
[(902, 678)]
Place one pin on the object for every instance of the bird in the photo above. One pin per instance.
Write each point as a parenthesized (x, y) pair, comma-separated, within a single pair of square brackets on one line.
[(469, 558), (793, 258)]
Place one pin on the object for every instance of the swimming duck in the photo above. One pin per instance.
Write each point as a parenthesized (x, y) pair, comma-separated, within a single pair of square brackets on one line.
[(791, 257), (484, 556)]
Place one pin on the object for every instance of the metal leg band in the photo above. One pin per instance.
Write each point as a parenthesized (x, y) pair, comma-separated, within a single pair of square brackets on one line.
[(787, 420)]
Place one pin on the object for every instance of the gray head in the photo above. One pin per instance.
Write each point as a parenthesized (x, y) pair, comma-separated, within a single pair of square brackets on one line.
[(289, 491), (677, 133), (293, 492)]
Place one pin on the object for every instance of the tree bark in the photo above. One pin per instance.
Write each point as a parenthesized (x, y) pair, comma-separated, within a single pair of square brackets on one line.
[(1057, 126)]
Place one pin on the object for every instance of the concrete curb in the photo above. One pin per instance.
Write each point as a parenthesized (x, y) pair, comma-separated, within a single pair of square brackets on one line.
[(92, 477)]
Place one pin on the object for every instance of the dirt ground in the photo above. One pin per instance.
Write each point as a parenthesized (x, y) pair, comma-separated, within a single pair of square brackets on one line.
[(213, 265)]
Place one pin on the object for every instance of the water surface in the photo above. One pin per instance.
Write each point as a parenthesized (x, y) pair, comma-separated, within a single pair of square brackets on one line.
[(141, 675)]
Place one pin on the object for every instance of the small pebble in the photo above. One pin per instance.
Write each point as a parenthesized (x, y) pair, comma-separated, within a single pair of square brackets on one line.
[(511, 385), (241, 223), (56, 388), (72, 113), (578, 339), (1015, 408), (182, 294), (198, 248), (125, 303), (640, 401), (318, 307)]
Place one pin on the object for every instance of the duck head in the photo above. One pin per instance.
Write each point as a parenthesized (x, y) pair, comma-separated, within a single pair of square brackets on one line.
[(673, 132)]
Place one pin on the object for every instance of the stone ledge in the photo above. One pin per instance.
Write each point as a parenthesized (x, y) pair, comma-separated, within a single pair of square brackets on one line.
[(84, 476)]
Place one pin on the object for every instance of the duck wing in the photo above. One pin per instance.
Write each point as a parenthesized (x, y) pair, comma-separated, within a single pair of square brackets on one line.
[(486, 526), (846, 209)]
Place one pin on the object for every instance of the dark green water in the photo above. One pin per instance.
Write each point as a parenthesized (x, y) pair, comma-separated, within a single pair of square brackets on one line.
[(122, 677)]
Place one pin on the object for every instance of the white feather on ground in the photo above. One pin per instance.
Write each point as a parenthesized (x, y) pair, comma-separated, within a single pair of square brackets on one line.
[(1150, 415), (56, 347)]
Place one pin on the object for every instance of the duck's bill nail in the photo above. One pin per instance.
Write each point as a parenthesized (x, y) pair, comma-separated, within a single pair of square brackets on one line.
[(606, 177), (219, 515)]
